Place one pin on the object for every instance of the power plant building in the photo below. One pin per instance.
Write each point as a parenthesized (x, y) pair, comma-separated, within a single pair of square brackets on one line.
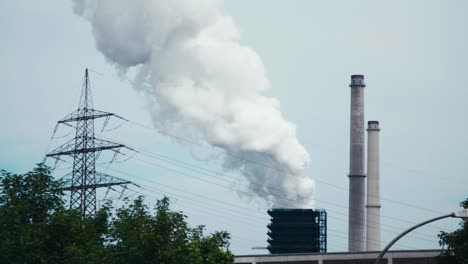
[(304, 230), (297, 231)]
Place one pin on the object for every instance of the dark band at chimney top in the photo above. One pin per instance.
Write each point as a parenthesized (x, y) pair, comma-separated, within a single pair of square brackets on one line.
[(357, 80)]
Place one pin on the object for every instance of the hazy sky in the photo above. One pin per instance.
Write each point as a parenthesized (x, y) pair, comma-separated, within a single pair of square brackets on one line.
[(414, 55)]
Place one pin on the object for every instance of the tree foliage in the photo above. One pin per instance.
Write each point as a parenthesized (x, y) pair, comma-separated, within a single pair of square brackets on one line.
[(35, 227), (456, 243)]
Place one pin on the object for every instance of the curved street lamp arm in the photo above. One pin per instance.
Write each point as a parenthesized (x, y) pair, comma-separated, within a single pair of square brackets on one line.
[(406, 232)]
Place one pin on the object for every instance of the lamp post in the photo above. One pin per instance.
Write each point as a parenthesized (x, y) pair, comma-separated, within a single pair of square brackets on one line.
[(460, 214)]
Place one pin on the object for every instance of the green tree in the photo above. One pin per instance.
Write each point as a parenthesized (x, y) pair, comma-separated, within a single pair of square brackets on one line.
[(71, 238), (26, 204), (35, 227), (138, 236), (206, 249), (456, 243)]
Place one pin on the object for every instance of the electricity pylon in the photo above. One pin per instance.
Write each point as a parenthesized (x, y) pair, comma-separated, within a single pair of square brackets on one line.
[(85, 148)]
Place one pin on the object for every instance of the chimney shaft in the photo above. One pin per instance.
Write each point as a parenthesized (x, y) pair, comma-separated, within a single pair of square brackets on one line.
[(373, 187), (357, 177)]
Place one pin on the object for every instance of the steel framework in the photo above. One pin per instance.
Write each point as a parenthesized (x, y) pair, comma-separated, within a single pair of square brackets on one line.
[(297, 231), (85, 148)]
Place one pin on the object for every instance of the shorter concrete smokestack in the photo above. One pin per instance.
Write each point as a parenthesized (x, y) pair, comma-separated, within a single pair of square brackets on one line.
[(373, 187)]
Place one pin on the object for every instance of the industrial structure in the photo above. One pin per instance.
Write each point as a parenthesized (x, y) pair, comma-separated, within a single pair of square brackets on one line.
[(373, 187), (304, 230), (85, 149), (357, 175), (392, 257), (297, 231)]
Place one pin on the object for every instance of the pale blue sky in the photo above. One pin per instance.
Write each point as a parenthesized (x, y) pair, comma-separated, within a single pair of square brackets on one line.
[(414, 55)]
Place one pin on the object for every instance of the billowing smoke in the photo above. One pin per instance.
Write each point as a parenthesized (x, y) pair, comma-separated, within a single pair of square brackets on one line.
[(204, 83)]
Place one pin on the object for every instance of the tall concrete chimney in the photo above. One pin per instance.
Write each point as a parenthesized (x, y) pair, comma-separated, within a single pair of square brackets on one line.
[(373, 187), (357, 177)]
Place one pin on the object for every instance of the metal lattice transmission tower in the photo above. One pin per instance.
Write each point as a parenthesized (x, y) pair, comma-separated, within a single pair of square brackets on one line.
[(85, 148)]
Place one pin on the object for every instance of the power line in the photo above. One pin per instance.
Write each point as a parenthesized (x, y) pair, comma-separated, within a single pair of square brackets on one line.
[(337, 212), (219, 173), (211, 199), (266, 165), (170, 194)]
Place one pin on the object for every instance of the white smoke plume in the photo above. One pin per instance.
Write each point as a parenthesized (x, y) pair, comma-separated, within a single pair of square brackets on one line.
[(205, 83)]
